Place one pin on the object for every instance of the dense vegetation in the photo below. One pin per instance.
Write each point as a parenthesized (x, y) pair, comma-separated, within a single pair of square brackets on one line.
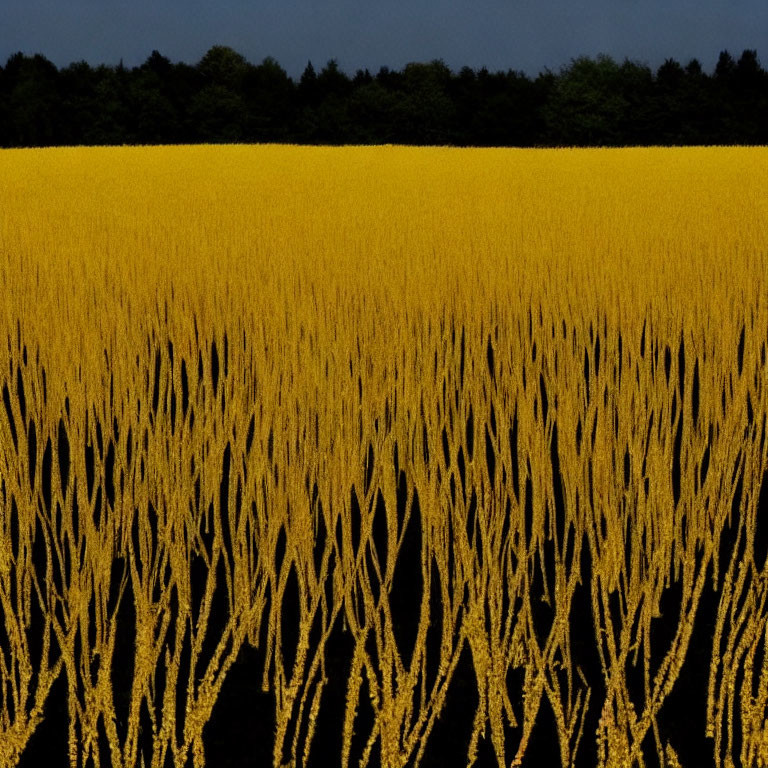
[(224, 98), (466, 449)]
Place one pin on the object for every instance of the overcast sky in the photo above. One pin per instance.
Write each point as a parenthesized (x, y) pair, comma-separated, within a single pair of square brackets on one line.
[(526, 35)]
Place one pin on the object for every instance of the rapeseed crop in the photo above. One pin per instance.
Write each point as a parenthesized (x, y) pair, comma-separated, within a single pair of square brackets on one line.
[(503, 409)]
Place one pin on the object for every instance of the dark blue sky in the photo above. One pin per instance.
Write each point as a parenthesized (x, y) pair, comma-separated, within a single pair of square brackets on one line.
[(523, 35)]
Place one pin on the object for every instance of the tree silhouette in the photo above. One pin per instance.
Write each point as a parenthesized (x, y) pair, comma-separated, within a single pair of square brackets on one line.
[(225, 98)]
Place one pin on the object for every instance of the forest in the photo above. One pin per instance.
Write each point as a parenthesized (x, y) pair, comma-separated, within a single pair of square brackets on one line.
[(224, 98)]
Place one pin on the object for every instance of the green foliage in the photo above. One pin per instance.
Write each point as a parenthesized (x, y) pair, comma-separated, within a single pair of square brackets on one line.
[(225, 98)]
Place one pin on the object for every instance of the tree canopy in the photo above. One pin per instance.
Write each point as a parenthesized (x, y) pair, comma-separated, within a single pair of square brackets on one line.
[(225, 98)]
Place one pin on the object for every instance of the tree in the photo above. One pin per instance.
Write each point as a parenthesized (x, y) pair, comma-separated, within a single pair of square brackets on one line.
[(308, 90), (158, 64), (747, 72), (636, 123), (376, 114), (332, 81), (30, 89), (225, 98), (218, 109), (587, 105), (463, 92), (427, 114), (750, 99), (362, 77), (693, 69), (218, 115), (670, 87), (224, 67), (156, 112), (698, 109), (80, 105), (270, 97), (724, 117), (725, 66)]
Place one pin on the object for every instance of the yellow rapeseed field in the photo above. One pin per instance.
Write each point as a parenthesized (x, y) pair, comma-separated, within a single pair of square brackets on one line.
[(262, 376)]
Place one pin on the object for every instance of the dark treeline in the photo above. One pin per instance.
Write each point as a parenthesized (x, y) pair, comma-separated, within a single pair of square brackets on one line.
[(224, 98)]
